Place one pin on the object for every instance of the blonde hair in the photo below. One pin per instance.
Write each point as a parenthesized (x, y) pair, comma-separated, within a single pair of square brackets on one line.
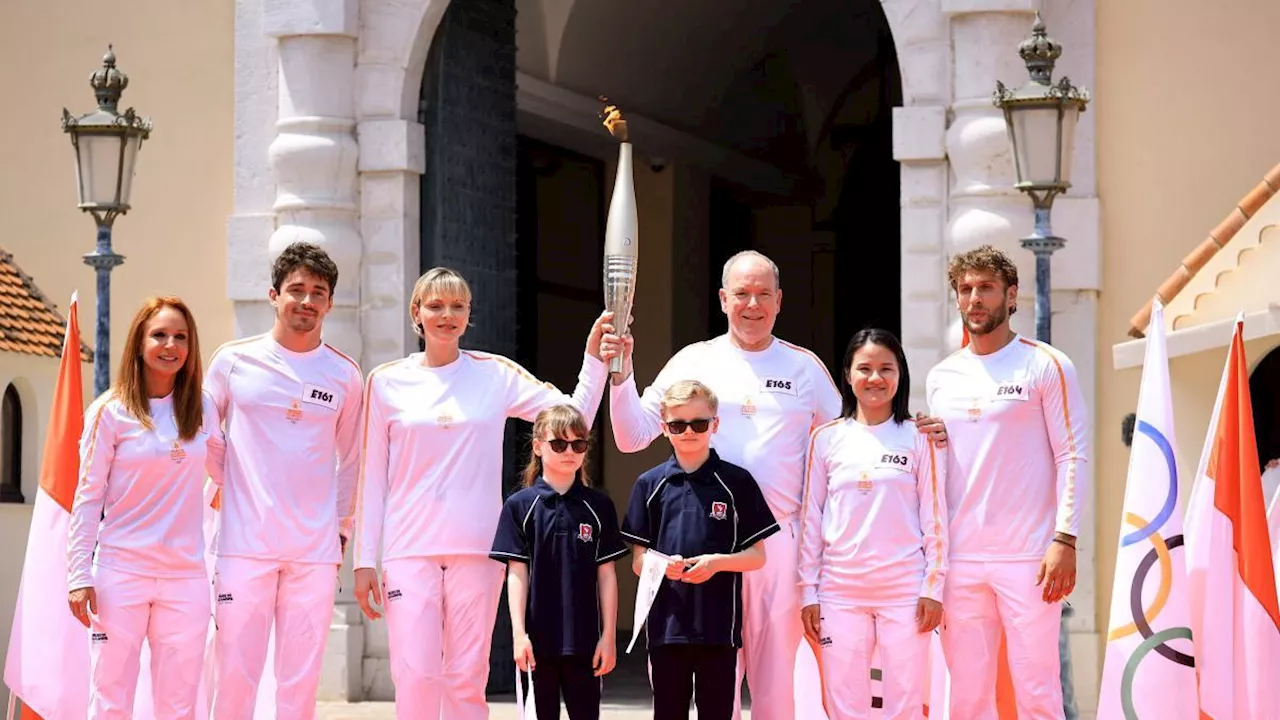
[(439, 281), (558, 421), (686, 391)]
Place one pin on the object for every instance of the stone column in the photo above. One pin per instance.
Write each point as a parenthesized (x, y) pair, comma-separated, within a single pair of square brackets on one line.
[(313, 156), (313, 159), (921, 37), (986, 209)]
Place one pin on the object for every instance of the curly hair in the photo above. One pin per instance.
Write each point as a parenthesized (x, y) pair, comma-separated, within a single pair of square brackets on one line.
[(307, 257), (983, 259)]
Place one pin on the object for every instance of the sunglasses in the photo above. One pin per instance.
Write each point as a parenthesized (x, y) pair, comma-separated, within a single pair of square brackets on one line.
[(677, 427), (559, 446)]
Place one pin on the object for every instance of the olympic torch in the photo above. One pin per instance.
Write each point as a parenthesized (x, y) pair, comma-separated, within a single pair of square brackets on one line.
[(621, 233)]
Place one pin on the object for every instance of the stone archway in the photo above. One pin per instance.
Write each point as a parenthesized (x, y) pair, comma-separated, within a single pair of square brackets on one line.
[(329, 148)]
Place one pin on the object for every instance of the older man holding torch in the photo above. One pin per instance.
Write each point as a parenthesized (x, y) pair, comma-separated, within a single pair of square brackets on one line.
[(772, 394)]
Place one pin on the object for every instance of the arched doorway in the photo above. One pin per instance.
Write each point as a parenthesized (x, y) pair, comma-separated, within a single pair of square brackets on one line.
[(11, 446), (804, 88), (517, 201), (1264, 389)]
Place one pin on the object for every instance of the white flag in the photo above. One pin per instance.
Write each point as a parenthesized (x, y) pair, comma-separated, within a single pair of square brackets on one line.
[(1148, 670)]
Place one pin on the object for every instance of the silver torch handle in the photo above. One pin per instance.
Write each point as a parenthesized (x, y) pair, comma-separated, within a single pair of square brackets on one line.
[(621, 248)]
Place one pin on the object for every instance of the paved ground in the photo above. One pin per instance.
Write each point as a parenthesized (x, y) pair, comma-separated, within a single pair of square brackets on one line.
[(626, 692), (497, 711)]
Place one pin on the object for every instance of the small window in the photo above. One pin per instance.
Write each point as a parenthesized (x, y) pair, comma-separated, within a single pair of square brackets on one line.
[(11, 447)]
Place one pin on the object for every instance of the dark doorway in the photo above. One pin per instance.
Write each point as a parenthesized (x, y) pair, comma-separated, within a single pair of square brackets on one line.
[(11, 447), (1264, 388), (561, 229)]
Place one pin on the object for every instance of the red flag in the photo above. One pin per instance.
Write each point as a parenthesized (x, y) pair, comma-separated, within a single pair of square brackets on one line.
[(1235, 621), (47, 665)]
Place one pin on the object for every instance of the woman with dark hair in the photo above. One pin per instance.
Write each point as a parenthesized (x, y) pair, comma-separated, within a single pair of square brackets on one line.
[(136, 550), (873, 549)]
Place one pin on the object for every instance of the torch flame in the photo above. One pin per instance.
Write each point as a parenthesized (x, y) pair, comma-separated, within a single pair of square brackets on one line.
[(613, 120)]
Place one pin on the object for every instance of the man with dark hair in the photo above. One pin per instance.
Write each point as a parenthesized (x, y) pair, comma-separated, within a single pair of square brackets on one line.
[(1016, 417), (307, 257), (290, 406)]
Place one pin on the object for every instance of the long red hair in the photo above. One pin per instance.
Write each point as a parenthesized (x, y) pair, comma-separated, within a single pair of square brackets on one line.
[(131, 384)]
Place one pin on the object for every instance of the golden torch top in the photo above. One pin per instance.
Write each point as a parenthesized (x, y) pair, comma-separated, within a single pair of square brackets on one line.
[(613, 120)]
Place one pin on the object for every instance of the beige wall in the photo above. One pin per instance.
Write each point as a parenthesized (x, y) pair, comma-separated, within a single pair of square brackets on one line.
[(34, 378), (178, 56), (1184, 130)]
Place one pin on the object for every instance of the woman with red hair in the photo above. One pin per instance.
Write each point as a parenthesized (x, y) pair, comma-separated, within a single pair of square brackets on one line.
[(135, 552)]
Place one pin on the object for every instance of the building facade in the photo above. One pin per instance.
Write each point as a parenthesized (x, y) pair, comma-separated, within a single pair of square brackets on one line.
[(854, 142)]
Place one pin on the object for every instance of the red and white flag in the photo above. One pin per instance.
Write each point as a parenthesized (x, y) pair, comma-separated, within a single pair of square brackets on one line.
[(47, 665), (1235, 619)]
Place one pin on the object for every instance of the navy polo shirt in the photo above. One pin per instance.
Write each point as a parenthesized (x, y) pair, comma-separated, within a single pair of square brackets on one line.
[(717, 508), (563, 539)]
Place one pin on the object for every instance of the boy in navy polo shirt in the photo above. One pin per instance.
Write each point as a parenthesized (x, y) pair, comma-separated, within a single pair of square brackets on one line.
[(708, 516), (559, 539)]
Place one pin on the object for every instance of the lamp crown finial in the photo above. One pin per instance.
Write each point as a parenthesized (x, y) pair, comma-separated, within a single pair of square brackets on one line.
[(1040, 52), (107, 82)]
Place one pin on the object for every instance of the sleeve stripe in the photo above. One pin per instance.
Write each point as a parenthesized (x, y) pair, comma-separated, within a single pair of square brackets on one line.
[(523, 373), (826, 373), (1070, 490), (749, 541), (639, 540), (932, 581), (93, 443), (612, 556), (358, 505), (514, 556), (347, 357), (813, 443)]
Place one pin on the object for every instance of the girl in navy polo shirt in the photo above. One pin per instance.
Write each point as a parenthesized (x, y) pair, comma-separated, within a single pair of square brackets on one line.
[(559, 538)]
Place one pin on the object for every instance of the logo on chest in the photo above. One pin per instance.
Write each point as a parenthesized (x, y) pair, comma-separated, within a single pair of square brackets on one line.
[(748, 408), (176, 453), (294, 413), (785, 386), (322, 396), (444, 420), (719, 510), (585, 532), (864, 483)]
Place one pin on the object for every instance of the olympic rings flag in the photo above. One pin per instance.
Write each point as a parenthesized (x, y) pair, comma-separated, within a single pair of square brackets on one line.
[(1148, 671)]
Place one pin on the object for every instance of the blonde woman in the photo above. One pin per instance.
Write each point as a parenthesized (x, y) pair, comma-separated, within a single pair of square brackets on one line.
[(431, 492), (135, 552)]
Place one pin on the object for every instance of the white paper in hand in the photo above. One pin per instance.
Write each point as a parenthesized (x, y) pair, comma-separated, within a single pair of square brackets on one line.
[(525, 710), (651, 574)]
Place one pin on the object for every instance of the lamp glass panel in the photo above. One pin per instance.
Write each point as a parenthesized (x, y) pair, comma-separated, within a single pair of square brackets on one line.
[(1070, 116), (99, 167), (131, 145), (1036, 132)]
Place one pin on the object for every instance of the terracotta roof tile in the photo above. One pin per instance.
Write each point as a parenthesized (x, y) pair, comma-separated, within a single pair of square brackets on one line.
[(29, 324), (1218, 238)]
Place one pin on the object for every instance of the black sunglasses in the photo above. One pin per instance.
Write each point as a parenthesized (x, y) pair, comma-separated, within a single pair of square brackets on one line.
[(559, 446), (677, 427)]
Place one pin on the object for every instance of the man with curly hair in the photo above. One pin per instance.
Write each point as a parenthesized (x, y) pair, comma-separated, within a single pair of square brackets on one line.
[(1015, 463)]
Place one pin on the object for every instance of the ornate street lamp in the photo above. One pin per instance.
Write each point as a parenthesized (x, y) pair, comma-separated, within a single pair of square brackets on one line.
[(1041, 117), (106, 144)]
